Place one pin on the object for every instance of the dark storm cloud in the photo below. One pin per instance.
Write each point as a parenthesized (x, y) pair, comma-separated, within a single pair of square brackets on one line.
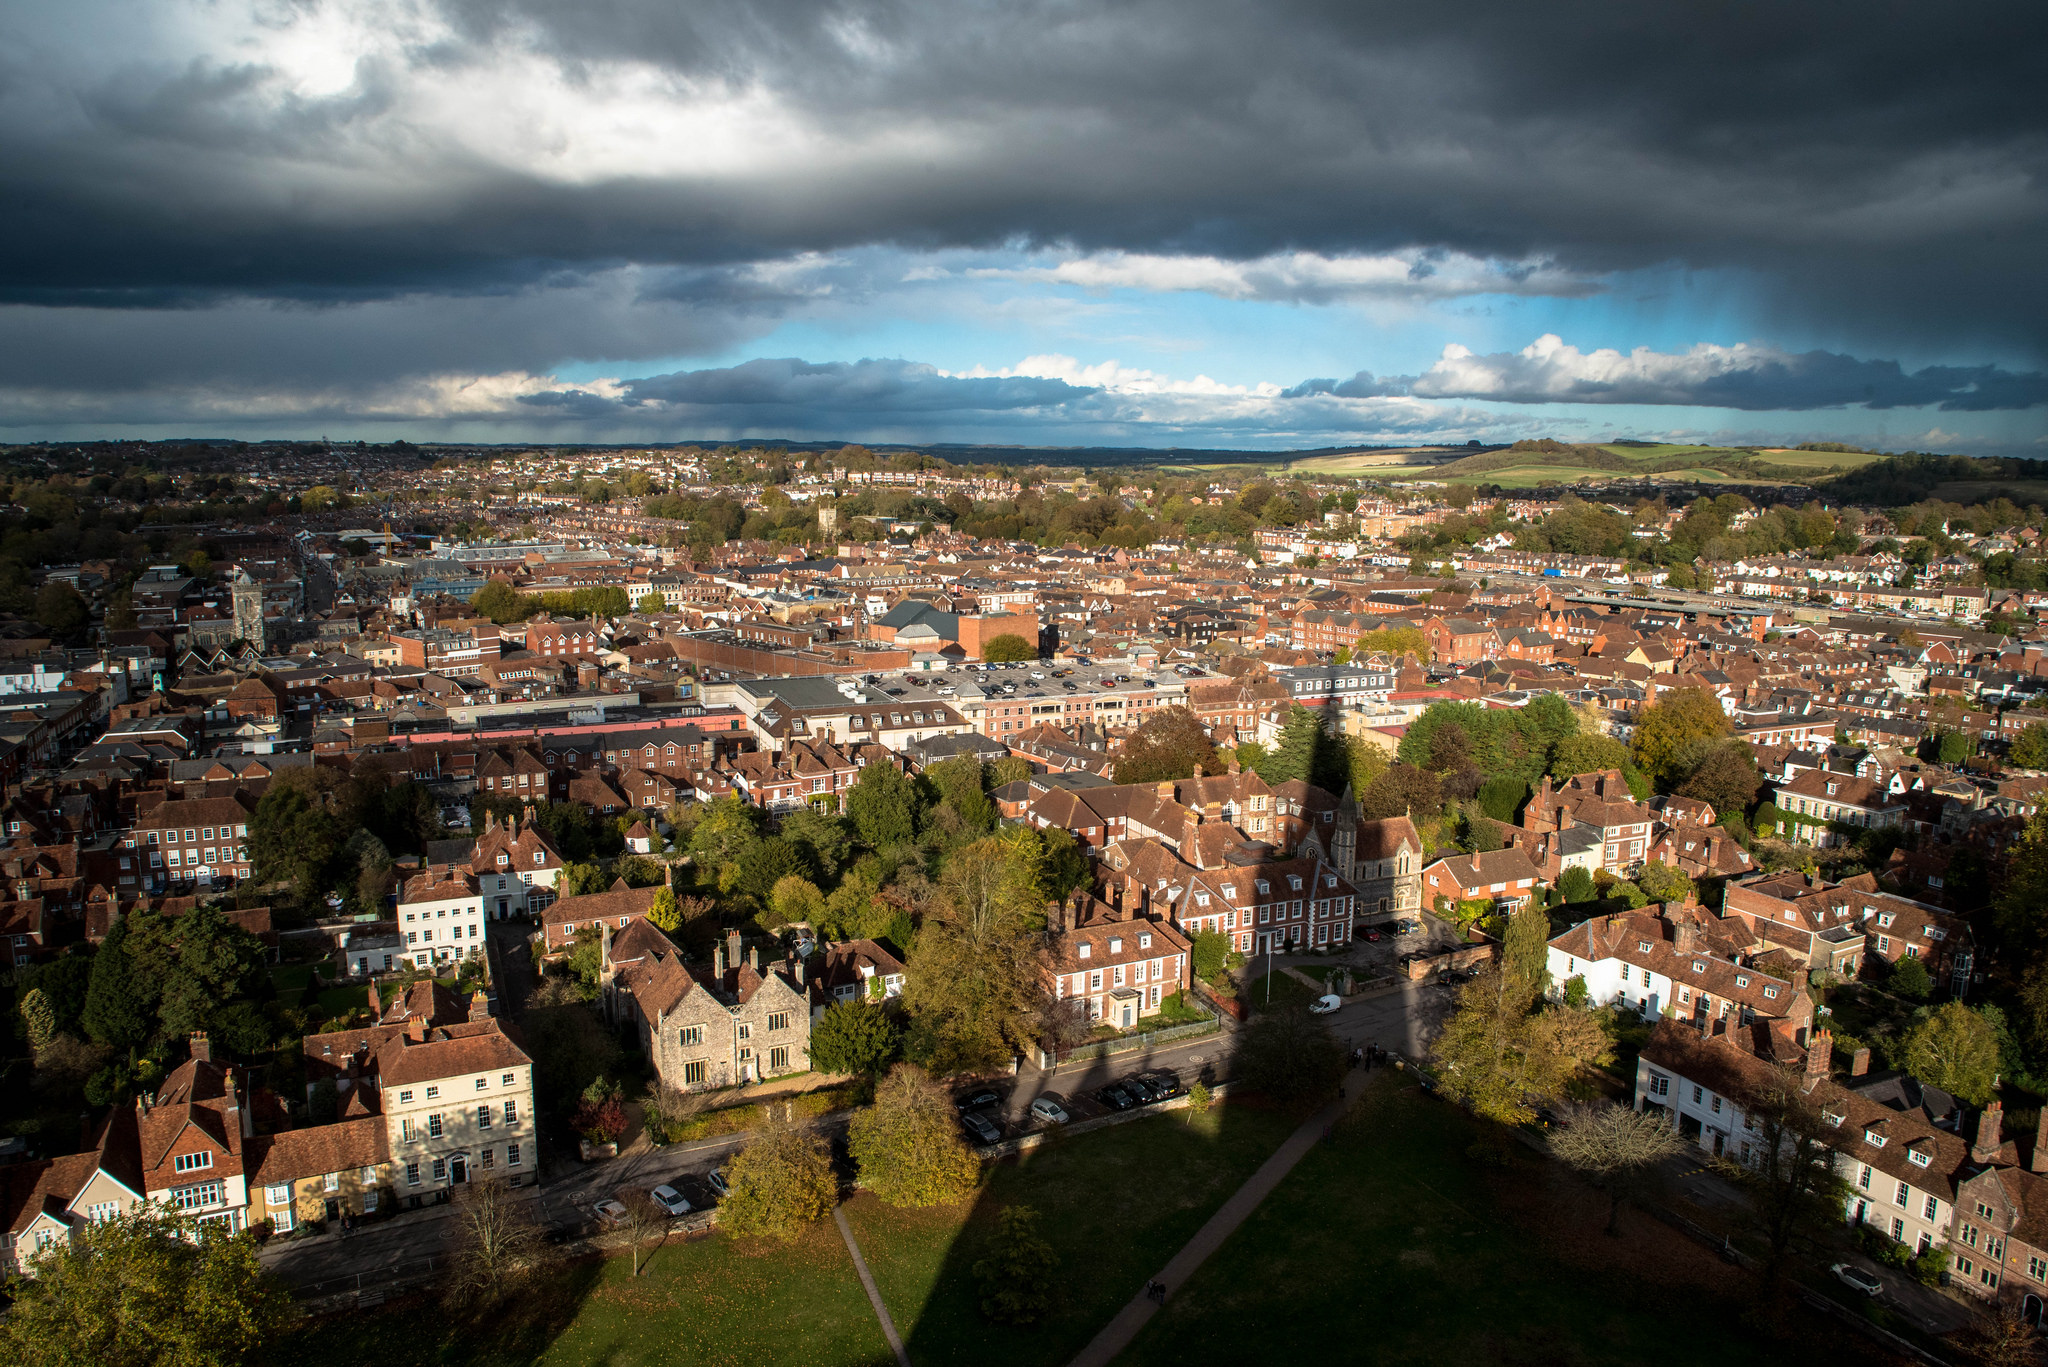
[(1883, 168), (771, 390), (1749, 378)]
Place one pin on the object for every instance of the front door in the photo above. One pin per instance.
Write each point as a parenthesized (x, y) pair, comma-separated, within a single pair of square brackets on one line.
[(1127, 1015), (458, 1170)]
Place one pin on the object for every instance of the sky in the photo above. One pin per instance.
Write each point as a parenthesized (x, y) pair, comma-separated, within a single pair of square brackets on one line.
[(1139, 223)]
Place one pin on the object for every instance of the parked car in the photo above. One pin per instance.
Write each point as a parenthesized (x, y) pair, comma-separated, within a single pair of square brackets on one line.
[(1166, 1084), (978, 1100), (1325, 1004), (609, 1212), (1141, 1089), (1115, 1097), (1373, 935), (1856, 1279), (670, 1200), (716, 1181), (1407, 927), (984, 1130), (1048, 1111)]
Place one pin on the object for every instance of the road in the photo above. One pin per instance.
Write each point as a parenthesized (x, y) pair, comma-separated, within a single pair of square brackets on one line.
[(1400, 1019)]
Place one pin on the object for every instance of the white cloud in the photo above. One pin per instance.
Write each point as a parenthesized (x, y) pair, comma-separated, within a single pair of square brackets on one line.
[(1306, 277), (1115, 377)]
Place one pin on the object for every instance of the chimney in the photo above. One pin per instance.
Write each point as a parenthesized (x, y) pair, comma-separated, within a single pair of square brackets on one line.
[(2039, 1160), (240, 1117), (1988, 1122), (1685, 935), (416, 1029), (479, 1006), (1859, 1064), (732, 948), (1820, 1053), (1198, 773), (376, 1001), (754, 957), (202, 1048), (718, 959), (1164, 790), (1235, 769)]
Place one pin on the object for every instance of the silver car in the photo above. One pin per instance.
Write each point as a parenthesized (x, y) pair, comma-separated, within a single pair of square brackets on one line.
[(1048, 1111)]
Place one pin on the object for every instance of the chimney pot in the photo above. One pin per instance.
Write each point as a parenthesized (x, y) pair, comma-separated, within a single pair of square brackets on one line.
[(754, 958), (1859, 1064), (416, 1029), (202, 1048), (718, 959)]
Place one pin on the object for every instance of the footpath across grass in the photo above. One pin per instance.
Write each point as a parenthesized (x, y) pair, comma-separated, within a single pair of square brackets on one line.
[(1390, 1245), (1116, 1205)]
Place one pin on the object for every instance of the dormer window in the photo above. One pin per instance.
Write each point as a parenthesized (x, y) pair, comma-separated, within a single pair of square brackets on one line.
[(1294, 882), (1771, 992), (1087, 951), (1643, 945), (1264, 887), (1741, 980), (1919, 1159), (1116, 945), (1202, 899), (1885, 920), (1874, 1139), (1834, 1117), (1699, 965), (1230, 892), (1145, 941)]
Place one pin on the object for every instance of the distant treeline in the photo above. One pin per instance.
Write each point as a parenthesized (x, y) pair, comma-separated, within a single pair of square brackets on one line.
[(1898, 481)]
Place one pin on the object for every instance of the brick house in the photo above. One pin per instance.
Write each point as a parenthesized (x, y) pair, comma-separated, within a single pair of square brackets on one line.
[(853, 970), (724, 1025), (194, 842), (50, 1201), (1614, 828), (192, 1140), (614, 909), (1506, 877), (1121, 967)]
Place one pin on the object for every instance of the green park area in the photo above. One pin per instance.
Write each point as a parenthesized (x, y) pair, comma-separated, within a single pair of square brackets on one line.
[(1115, 1205), (1396, 1243)]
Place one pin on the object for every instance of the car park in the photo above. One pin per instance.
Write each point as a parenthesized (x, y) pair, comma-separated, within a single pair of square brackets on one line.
[(1325, 1004), (984, 1130), (1049, 1112), (980, 1099), (1115, 1097), (1856, 1279), (1141, 1089), (670, 1200)]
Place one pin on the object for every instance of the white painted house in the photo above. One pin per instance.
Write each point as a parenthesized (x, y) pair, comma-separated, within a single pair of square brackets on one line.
[(441, 916)]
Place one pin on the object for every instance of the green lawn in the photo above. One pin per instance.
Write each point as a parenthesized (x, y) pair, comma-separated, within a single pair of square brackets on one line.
[(1286, 990), (1116, 1205), (1391, 1245)]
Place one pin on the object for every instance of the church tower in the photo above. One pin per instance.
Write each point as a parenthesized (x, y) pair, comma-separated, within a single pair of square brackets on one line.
[(248, 600), (1344, 840)]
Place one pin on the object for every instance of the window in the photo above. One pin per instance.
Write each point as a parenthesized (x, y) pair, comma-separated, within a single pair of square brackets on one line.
[(433, 1092), (405, 1130), (440, 1169), (511, 1155), (1659, 1085), (692, 1035), (1643, 945), (1905, 1195), (197, 1197), (331, 1183), (483, 1117), (490, 1159), (511, 1113), (1095, 981), (1696, 1094), (693, 1074), (1863, 1180), (1086, 950), (412, 1174), (1928, 1211), (191, 1162), (746, 1031), (434, 1126), (1145, 941), (1898, 1228), (778, 1059), (482, 1083), (2037, 1269), (779, 1021), (278, 1195), (405, 1096)]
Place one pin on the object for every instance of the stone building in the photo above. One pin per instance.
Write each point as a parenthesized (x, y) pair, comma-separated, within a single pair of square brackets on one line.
[(724, 1025)]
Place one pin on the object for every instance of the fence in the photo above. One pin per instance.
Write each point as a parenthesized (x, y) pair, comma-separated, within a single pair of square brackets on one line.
[(1131, 1043)]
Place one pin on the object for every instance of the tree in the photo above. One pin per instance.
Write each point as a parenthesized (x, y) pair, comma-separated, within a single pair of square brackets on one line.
[(765, 864), (1207, 953), (1525, 949), (1016, 1273), (1170, 745), (1910, 979), (961, 783), (854, 1037), (883, 806), (643, 1218), (117, 1011), (664, 913), (975, 993), (500, 602), (729, 827), (1395, 641), (1790, 1178), (1065, 865), (1662, 882), (796, 898), (1615, 1146), (293, 837), (779, 1183), (1953, 747), (908, 1143), (1576, 885), (39, 1018), (827, 840), (1498, 1055), (497, 1244), (578, 879), (1586, 755), (61, 611), (1727, 777), (142, 1289), (1291, 1056), (1955, 1049), (650, 604), (1008, 648), (1669, 733), (2030, 747)]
